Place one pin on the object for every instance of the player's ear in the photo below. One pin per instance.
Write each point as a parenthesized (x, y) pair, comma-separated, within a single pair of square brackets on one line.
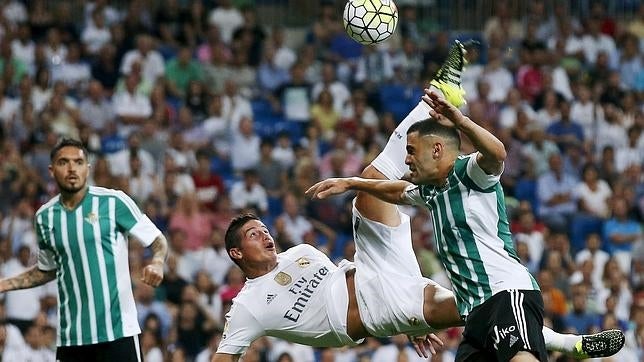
[(235, 253), (437, 150)]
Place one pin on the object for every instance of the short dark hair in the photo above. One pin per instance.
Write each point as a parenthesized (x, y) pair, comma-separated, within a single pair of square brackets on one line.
[(430, 126), (232, 239), (67, 142)]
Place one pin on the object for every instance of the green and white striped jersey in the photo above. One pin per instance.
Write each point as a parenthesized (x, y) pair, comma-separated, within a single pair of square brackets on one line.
[(472, 234), (87, 246)]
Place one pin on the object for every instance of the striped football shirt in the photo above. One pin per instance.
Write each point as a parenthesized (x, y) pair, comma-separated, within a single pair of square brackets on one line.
[(87, 246), (472, 234)]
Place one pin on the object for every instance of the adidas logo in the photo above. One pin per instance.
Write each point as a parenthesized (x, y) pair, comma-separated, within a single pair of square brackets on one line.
[(513, 340), (270, 297)]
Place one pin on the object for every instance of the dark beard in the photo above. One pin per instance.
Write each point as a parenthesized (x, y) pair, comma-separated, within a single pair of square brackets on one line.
[(71, 190)]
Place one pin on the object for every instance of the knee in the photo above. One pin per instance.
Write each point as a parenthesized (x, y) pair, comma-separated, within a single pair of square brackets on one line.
[(439, 308)]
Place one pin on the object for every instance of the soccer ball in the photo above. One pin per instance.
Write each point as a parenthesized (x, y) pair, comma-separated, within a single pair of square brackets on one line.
[(370, 21)]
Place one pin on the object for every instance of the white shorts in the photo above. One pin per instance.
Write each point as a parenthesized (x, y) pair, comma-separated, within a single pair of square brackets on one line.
[(389, 285), (391, 161)]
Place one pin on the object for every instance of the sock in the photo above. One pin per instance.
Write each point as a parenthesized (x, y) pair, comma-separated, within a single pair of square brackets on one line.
[(560, 342)]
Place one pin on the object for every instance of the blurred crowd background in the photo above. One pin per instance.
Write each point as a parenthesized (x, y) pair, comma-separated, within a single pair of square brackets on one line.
[(200, 109)]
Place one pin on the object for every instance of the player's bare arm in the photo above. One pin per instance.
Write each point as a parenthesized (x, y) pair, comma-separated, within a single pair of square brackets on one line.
[(153, 272), (223, 357), (30, 278), (491, 150), (392, 191)]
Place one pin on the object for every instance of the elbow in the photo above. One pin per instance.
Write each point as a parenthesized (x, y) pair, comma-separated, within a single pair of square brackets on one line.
[(501, 154)]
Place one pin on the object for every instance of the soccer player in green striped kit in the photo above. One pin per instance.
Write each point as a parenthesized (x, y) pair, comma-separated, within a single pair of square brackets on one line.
[(82, 238), (496, 297)]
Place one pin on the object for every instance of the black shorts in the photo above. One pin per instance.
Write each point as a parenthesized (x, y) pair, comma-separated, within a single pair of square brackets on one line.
[(509, 322), (125, 349)]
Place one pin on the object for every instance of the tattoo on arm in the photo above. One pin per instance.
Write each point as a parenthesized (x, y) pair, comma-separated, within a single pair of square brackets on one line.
[(159, 249), (30, 278)]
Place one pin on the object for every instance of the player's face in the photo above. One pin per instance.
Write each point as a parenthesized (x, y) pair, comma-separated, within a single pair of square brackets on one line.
[(70, 169), (257, 244), (422, 158)]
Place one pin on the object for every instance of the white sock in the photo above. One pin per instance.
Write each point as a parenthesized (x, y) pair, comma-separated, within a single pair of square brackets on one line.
[(391, 161), (560, 342)]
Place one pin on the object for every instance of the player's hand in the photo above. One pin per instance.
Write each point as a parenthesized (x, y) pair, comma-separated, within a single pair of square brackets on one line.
[(425, 344), (441, 110), (153, 274), (327, 188)]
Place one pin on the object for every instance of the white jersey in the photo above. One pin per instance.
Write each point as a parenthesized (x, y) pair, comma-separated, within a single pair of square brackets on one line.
[(303, 300)]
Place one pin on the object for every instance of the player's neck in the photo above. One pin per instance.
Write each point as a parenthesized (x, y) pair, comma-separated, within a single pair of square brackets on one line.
[(70, 200), (256, 271)]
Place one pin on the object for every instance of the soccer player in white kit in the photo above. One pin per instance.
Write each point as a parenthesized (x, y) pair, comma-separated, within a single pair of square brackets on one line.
[(472, 237), (301, 296)]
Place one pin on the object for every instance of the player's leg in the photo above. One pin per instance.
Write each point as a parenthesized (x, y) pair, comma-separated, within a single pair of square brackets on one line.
[(391, 161), (439, 307), (602, 344)]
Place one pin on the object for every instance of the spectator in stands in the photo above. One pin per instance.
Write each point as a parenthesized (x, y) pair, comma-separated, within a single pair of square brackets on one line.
[(227, 18), (151, 61), (131, 107), (95, 109), (596, 255), (23, 47), (565, 132), (594, 41), (217, 69), (209, 185), (555, 190), (193, 220), (283, 151), (340, 94), (120, 161), (554, 300), (180, 71), (244, 147), (248, 193), (105, 68), (293, 99), (272, 174), (621, 233), (269, 76), (291, 225), (323, 115), (96, 33), (235, 105), (146, 305), (579, 319)]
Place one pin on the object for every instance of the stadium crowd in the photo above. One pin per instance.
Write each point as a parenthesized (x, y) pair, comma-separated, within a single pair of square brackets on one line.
[(199, 111)]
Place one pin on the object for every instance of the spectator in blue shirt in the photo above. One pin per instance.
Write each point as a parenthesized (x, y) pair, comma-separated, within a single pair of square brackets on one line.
[(580, 319), (556, 195), (621, 233), (566, 132)]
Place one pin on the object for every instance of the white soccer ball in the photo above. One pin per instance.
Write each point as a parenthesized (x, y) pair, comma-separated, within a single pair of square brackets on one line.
[(370, 21)]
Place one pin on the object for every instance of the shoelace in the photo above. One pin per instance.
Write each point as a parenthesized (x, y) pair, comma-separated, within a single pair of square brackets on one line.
[(451, 70)]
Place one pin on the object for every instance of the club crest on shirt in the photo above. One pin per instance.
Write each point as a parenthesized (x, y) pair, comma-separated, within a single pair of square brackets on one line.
[(91, 218), (283, 279), (303, 262)]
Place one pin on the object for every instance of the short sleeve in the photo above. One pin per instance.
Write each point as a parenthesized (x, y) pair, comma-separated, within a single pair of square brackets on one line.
[(130, 219), (240, 330), (413, 196), (145, 231), (46, 260), (478, 176), (46, 257)]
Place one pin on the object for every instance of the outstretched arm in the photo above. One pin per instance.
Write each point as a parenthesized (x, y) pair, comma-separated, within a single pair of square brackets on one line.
[(491, 150), (392, 191), (153, 272), (30, 278)]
